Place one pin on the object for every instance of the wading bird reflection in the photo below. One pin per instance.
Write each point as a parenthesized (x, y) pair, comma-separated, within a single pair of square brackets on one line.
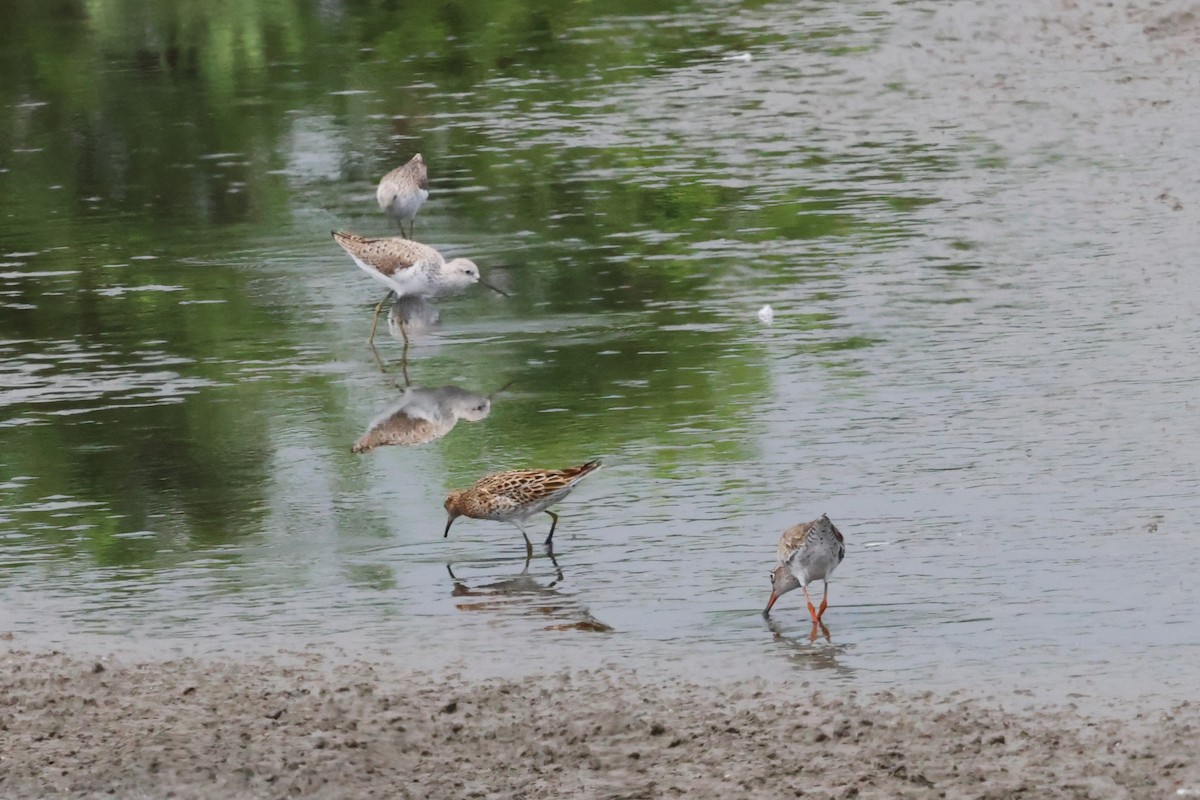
[(423, 415), (527, 592)]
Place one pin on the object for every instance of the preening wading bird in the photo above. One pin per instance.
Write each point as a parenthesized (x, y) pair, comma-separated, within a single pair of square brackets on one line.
[(403, 191)]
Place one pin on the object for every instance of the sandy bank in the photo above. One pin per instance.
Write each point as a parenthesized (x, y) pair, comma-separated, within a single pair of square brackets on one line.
[(298, 727)]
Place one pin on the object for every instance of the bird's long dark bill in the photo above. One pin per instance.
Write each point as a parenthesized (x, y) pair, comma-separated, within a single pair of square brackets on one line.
[(495, 289), (449, 522), (492, 396), (770, 603)]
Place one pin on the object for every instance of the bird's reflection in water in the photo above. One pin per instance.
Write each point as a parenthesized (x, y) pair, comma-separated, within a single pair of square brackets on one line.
[(411, 315), (807, 651), (423, 415), (408, 316), (534, 595)]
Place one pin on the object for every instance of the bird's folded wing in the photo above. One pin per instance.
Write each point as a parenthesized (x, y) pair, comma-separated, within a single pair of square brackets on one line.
[(499, 502), (390, 262), (791, 540)]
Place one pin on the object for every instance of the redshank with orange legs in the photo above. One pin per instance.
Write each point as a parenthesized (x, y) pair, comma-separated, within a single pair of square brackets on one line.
[(808, 552)]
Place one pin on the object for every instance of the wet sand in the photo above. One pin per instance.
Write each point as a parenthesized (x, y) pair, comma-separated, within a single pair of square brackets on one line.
[(303, 726)]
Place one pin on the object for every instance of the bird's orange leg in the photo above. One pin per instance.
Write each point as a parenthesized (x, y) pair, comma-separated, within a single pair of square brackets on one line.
[(824, 603), (812, 610)]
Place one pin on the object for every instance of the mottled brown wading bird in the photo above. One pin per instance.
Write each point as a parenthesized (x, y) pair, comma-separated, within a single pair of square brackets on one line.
[(517, 495), (808, 552), (403, 191), (408, 268)]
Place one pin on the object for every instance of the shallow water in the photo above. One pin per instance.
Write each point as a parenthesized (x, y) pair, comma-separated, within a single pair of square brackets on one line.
[(974, 223)]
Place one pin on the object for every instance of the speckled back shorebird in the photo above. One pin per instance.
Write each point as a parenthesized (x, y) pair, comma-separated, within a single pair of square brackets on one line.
[(402, 192), (408, 268), (807, 552), (517, 495)]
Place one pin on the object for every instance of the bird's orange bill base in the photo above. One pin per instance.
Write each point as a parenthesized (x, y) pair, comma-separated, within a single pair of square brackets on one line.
[(770, 603)]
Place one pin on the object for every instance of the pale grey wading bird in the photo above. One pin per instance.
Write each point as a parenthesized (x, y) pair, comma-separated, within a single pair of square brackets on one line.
[(407, 268)]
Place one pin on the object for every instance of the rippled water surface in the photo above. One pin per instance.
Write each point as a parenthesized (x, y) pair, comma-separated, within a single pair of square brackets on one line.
[(975, 223)]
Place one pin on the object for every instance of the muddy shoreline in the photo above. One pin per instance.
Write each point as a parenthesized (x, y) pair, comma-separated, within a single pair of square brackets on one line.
[(298, 725)]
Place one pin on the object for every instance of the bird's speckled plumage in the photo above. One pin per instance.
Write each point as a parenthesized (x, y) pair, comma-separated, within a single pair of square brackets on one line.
[(403, 191), (807, 552), (516, 495), (410, 268), (799, 541), (407, 267)]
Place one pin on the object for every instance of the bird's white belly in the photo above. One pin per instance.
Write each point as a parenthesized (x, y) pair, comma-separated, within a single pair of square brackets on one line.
[(404, 206), (406, 281)]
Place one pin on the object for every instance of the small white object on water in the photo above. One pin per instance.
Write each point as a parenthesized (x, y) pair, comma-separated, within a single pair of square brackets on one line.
[(766, 314), (743, 57)]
